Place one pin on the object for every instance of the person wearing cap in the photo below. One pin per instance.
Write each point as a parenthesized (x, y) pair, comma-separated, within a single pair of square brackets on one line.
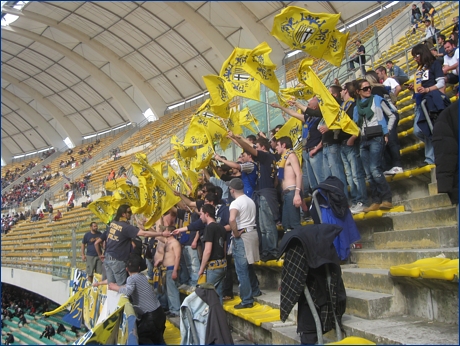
[(265, 195), (245, 243)]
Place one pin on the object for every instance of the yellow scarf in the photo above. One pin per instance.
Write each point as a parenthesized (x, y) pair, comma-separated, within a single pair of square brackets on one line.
[(282, 162)]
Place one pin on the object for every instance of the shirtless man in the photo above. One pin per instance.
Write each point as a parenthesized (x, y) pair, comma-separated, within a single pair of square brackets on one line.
[(290, 174), (171, 259)]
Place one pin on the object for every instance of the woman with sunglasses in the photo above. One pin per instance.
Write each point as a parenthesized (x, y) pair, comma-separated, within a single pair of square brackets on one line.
[(429, 79), (368, 114)]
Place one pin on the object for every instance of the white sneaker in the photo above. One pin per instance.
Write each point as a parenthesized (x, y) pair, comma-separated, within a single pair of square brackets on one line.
[(393, 171), (359, 208)]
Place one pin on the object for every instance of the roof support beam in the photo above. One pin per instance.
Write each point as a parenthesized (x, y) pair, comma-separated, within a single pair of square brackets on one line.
[(150, 95), (130, 109), (7, 157), (218, 42), (36, 119), (70, 129), (253, 28)]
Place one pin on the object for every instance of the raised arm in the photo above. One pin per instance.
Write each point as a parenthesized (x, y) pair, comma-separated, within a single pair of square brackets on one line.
[(243, 143)]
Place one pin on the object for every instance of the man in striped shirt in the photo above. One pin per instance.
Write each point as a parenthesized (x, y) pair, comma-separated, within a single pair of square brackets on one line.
[(151, 317)]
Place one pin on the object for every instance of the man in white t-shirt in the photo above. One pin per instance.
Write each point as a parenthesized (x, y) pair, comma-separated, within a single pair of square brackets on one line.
[(394, 86), (450, 67), (245, 246)]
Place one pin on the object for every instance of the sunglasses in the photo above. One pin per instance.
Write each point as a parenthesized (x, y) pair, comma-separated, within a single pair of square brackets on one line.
[(366, 88), (129, 212)]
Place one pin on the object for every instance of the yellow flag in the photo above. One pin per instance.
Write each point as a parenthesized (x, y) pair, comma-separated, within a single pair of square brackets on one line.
[(336, 48), (222, 111), (245, 119), (163, 197), (102, 208), (216, 132), (158, 166), (146, 203), (293, 129), (328, 105), (233, 123), (304, 30), (111, 185), (177, 182), (195, 134), (126, 194), (237, 80), (217, 91), (69, 302), (299, 92), (182, 150), (261, 67), (204, 156)]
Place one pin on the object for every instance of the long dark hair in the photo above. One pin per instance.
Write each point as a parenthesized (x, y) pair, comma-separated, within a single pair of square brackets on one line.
[(120, 211), (426, 58)]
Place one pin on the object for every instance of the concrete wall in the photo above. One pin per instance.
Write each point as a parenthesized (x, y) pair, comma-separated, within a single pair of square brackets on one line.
[(42, 284)]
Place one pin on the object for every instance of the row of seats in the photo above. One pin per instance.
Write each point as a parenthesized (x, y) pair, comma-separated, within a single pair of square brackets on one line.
[(429, 268)]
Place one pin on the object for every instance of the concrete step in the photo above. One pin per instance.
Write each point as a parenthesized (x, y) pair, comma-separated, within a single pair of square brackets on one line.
[(385, 258), (428, 203), (426, 218), (422, 238), (372, 305), (376, 280), (401, 330)]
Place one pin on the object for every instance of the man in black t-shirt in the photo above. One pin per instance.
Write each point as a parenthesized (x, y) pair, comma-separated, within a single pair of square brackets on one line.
[(213, 260)]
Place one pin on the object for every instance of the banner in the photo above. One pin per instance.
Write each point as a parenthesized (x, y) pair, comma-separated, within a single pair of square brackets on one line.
[(334, 117), (305, 30)]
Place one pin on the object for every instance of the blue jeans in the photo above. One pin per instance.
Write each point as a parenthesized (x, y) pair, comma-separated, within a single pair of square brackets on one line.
[(291, 214), (415, 18), (429, 150), (356, 177), (116, 271), (184, 276), (193, 264), (305, 181), (314, 168), (372, 156), (149, 268), (217, 276), (249, 285), (173, 293), (392, 153), (268, 229), (332, 164)]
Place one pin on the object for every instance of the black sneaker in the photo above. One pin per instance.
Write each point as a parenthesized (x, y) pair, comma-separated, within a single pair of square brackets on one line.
[(244, 306), (257, 295)]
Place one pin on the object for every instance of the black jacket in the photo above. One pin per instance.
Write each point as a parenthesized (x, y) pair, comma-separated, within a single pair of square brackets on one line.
[(445, 143), (217, 330), (307, 249)]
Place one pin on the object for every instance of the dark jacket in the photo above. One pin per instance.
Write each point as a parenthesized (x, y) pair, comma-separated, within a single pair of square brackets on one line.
[(217, 330), (308, 249), (445, 143), (334, 210)]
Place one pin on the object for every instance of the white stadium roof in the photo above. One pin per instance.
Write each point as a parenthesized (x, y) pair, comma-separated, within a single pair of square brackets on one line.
[(71, 68)]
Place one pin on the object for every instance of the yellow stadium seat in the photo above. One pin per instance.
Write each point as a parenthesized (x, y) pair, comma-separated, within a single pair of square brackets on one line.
[(413, 269), (445, 271), (353, 340)]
